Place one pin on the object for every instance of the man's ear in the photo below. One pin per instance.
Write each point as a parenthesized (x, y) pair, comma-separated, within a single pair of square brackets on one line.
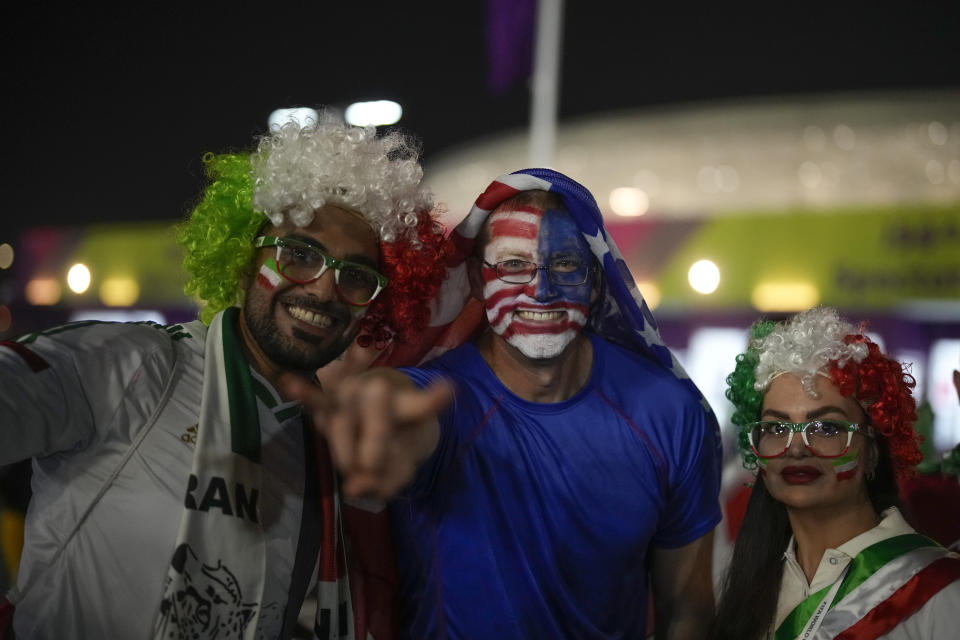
[(474, 264), (597, 287)]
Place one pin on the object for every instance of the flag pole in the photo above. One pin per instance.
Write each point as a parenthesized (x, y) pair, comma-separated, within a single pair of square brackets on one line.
[(544, 82)]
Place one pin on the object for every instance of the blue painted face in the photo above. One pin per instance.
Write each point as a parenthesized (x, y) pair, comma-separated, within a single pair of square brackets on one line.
[(561, 244)]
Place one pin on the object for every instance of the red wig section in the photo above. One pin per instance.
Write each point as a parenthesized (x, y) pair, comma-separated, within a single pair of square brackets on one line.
[(415, 274), (883, 388)]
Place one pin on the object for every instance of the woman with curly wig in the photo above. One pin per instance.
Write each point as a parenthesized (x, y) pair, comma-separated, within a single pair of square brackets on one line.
[(826, 420)]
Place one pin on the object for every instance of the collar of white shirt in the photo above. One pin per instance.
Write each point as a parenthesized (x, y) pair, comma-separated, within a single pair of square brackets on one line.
[(794, 588)]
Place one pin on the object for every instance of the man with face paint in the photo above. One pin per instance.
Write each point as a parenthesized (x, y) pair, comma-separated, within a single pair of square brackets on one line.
[(536, 286), (823, 552), (576, 463), (178, 493)]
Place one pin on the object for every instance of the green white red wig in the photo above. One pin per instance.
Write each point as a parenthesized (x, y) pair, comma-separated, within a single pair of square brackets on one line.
[(819, 342), (294, 172)]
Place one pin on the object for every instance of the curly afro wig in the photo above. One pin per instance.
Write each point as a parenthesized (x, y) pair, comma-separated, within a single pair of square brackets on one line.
[(819, 342), (218, 237), (295, 172)]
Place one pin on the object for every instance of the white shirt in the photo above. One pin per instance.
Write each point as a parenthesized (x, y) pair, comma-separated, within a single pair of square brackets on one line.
[(938, 618)]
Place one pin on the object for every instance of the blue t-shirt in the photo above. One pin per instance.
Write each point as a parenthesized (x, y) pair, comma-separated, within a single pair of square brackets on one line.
[(533, 520)]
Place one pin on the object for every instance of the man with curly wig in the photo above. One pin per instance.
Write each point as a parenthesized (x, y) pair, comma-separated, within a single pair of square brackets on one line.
[(177, 491), (823, 552), (577, 463)]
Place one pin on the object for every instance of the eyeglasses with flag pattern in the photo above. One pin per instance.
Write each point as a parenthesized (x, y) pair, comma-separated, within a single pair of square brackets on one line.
[(303, 263), (823, 438)]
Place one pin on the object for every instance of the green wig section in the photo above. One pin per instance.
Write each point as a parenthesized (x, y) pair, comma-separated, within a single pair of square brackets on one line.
[(218, 236), (742, 392)]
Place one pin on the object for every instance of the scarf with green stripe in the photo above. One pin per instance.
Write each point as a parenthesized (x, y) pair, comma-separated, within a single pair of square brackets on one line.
[(214, 584), (882, 586)]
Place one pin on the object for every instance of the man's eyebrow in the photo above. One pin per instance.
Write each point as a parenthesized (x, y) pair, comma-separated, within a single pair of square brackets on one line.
[(353, 257), (310, 240), (361, 259), (509, 244), (516, 251)]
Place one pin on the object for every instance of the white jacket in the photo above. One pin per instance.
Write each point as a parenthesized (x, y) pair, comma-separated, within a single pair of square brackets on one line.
[(77, 398)]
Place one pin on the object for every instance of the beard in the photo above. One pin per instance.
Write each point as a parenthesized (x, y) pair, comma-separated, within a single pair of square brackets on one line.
[(303, 351)]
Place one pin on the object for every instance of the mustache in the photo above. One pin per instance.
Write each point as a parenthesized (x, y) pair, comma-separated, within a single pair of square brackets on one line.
[(335, 310)]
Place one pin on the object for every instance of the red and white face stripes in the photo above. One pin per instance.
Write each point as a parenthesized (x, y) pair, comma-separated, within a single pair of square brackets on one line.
[(539, 318)]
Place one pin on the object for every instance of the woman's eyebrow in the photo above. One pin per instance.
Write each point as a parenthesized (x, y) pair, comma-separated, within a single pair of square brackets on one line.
[(811, 415), (775, 414), (821, 411)]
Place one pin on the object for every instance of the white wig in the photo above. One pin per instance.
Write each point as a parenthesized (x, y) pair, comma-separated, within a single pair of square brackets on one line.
[(297, 171), (805, 345)]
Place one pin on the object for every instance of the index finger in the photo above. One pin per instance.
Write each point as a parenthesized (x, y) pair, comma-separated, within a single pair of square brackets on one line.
[(422, 404)]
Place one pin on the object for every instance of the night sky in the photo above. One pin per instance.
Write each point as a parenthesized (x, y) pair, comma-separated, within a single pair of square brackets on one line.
[(108, 111)]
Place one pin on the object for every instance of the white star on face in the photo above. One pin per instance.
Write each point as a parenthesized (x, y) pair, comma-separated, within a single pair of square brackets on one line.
[(598, 243)]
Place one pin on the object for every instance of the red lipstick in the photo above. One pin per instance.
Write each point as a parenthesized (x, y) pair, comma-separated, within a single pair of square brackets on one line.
[(800, 475)]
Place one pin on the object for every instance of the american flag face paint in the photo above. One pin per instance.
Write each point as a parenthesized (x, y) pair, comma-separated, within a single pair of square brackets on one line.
[(539, 318)]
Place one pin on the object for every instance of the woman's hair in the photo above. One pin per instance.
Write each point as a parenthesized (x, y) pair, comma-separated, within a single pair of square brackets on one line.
[(749, 589), (293, 173), (814, 342)]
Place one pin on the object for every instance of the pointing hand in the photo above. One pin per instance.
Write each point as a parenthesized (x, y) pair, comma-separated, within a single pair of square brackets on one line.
[(379, 426)]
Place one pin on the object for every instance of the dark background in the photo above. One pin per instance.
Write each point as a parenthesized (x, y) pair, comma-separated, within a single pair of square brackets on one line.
[(108, 110)]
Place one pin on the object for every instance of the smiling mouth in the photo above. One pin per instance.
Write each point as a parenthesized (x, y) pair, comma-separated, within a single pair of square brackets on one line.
[(313, 318), (539, 316)]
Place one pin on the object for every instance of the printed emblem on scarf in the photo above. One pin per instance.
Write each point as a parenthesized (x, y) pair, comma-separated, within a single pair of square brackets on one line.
[(209, 604)]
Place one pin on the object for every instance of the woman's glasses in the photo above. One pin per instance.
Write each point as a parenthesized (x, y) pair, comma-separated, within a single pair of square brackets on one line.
[(824, 438)]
